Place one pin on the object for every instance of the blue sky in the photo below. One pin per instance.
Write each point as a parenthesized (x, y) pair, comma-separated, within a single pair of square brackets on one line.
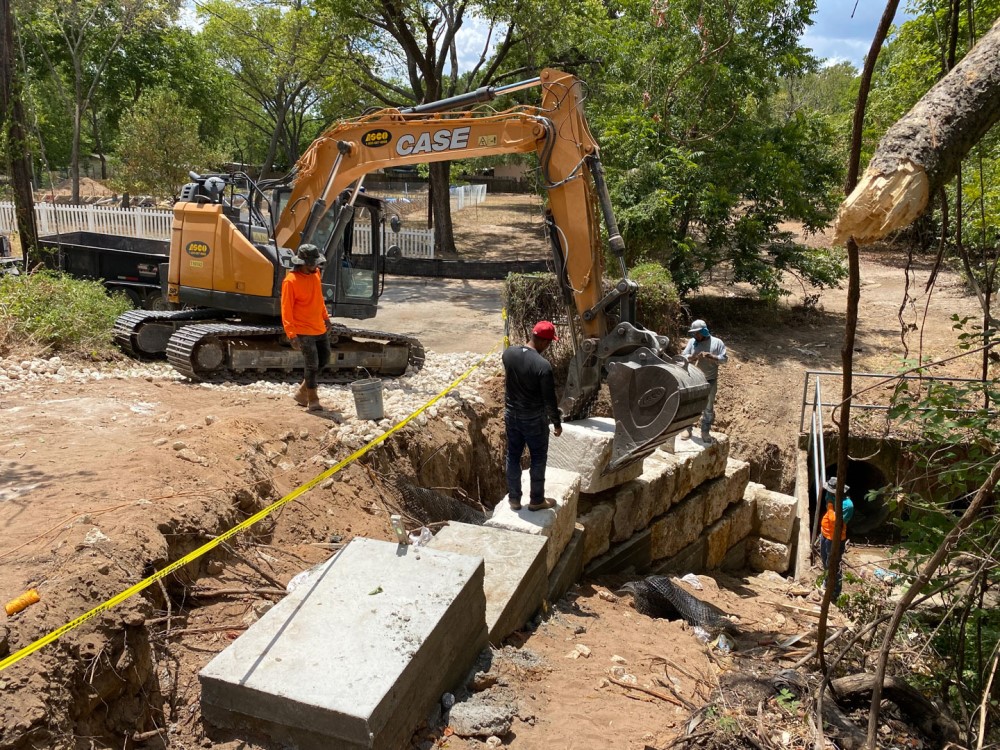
[(836, 36)]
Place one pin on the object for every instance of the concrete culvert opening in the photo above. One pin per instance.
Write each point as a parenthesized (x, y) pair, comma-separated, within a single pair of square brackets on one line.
[(870, 514)]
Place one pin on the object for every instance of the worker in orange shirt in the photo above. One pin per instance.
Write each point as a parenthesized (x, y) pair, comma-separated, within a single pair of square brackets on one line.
[(306, 320), (829, 518)]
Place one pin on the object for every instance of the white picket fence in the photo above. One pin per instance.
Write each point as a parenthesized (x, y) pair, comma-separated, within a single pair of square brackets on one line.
[(415, 243), (155, 224), (128, 222)]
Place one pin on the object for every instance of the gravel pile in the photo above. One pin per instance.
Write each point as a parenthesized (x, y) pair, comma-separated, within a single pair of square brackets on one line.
[(400, 397)]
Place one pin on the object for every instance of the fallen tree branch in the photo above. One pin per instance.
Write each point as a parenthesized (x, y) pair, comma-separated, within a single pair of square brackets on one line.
[(920, 153), (921, 712), (218, 593), (648, 691)]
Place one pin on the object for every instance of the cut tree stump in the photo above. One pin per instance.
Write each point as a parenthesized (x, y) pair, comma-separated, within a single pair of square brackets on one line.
[(923, 150)]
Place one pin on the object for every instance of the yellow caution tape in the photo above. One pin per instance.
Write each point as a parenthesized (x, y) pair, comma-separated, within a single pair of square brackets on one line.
[(506, 327), (243, 526)]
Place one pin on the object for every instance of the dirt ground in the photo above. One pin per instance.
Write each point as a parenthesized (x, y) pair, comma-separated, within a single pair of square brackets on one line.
[(95, 494)]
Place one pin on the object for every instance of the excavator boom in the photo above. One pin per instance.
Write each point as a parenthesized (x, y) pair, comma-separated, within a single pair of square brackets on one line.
[(654, 396)]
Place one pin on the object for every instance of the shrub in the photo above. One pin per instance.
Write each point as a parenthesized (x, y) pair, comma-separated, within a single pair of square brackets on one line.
[(54, 311), (536, 296)]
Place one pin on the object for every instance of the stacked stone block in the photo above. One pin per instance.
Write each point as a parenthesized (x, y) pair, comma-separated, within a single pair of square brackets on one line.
[(774, 526)]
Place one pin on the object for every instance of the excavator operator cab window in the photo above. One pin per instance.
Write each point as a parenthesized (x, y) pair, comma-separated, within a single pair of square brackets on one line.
[(351, 278)]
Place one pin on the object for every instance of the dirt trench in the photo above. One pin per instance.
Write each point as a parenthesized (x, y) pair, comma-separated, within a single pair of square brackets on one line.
[(128, 677)]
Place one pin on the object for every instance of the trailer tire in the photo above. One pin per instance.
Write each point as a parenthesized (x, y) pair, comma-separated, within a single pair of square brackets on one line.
[(156, 301)]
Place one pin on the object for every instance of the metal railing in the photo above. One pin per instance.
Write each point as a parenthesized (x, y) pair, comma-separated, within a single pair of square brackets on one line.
[(870, 402)]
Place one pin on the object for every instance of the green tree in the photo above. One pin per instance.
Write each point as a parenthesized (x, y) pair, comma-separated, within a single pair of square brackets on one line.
[(687, 92), (407, 52), (157, 146), (75, 42), (277, 58)]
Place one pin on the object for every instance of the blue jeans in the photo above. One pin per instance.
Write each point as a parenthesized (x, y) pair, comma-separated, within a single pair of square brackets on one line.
[(531, 431), (825, 549)]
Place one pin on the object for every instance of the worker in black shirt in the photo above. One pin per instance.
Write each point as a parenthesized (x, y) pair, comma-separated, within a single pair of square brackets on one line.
[(529, 405)]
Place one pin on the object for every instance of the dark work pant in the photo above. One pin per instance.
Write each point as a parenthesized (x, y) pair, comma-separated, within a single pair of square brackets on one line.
[(533, 432), (825, 550), (316, 353)]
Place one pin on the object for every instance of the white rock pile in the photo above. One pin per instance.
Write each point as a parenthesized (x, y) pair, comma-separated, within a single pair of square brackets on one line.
[(400, 396)]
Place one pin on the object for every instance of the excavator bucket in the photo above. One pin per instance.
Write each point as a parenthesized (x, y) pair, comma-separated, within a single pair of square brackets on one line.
[(652, 399)]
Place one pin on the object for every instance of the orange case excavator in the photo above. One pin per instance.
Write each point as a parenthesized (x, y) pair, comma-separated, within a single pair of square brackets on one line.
[(233, 239)]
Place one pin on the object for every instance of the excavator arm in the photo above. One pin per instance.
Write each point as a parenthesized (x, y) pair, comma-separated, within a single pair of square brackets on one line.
[(653, 395)]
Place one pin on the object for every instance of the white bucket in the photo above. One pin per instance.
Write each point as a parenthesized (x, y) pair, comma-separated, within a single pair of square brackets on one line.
[(368, 398)]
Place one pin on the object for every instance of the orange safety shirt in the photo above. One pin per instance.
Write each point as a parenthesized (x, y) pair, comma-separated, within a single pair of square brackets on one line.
[(302, 310), (828, 521)]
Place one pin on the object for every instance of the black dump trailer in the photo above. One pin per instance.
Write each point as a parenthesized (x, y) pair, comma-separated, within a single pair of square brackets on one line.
[(131, 265)]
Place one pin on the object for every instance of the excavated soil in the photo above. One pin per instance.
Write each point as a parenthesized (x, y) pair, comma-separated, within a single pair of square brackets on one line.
[(109, 473)]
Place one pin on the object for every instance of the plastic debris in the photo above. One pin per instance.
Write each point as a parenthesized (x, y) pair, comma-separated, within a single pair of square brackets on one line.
[(692, 580), (24, 601)]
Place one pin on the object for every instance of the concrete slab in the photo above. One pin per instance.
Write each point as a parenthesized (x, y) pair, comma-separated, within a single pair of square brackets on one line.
[(556, 523), (357, 656), (515, 578), (569, 568), (585, 447)]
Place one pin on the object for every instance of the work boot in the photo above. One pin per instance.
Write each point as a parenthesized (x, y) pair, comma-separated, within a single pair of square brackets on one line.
[(706, 435), (301, 396), (690, 433), (313, 400)]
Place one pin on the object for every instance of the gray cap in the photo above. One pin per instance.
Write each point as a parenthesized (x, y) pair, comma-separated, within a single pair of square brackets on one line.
[(697, 325), (308, 254), (831, 485)]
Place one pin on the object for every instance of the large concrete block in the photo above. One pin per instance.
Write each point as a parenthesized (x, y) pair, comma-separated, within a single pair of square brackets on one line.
[(357, 655), (717, 542), (569, 568), (585, 447), (775, 515), (659, 484), (741, 518), (628, 501), (678, 528), (556, 524), (768, 555), (597, 530), (515, 579), (696, 462), (726, 490), (634, 554)]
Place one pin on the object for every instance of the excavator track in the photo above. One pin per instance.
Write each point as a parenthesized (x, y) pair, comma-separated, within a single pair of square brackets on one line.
[(145, 333), (208, 351)]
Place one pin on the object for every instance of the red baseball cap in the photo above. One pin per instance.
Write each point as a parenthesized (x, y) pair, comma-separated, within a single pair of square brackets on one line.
[(545, 330)]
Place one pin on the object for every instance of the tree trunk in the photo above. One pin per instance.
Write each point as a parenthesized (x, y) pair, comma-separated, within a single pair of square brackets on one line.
[(13, 134), (920, 711), (924, 149), (74, 155), (444, 235)]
